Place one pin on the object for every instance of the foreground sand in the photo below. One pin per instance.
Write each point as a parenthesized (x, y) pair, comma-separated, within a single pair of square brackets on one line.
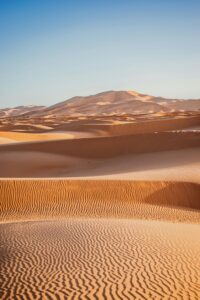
[(102, 243), (100, 259)]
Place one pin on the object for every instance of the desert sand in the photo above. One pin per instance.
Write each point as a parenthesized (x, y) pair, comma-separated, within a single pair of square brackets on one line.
[(100, 259), (100, 199)]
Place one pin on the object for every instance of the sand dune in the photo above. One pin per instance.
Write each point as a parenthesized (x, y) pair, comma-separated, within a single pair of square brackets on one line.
[(151, 126), (102, 147), (26, 199), (108, 126), (117, 102), (70, 157), (88, 127), (178, 165), (19, 110)]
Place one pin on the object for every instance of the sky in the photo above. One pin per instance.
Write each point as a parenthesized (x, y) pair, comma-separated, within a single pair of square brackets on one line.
[(51, 50)]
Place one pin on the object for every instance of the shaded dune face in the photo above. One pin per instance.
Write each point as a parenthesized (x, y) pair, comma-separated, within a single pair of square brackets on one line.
[(99, 259), (59, 158), (102, 147), (46, 199)]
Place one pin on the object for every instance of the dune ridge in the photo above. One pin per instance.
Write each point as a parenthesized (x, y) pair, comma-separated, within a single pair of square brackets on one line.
[(151, 126), (101, 147)]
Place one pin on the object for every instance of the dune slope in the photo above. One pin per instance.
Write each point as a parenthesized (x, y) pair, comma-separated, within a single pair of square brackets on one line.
[(46, 199)]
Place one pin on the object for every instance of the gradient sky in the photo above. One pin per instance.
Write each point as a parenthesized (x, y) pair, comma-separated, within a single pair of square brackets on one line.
[(51, 50)]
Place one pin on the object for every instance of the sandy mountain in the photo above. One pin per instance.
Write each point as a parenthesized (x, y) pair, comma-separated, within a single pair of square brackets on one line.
[(108, 103), (119, 102), (19, 110)]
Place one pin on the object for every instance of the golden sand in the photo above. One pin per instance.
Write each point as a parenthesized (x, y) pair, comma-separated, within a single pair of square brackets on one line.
[(99, 259), (45, 199), (130, 231), (103, 243)]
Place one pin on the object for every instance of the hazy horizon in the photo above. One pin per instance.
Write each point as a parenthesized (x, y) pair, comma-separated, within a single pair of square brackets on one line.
[(53, 50)]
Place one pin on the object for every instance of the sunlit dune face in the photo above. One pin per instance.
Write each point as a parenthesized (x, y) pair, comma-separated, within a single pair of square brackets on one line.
[(13, 137), (103, 103), (82, 118), (142, 98), (133, 93), (4, 140), (160, 114), (163, 103)]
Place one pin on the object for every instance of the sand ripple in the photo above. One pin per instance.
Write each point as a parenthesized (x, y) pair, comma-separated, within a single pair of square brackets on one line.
[(100, 259), (37, 199)]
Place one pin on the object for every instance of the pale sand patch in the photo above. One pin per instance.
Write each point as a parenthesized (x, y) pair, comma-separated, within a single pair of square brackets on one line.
[(4, 140), (25, 136)]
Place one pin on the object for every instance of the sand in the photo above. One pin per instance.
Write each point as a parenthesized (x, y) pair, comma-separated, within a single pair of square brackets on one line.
[(100, 199), (100, 259), (175, 165), (37, 199), (24, 137), (101, 239), (70, 156)]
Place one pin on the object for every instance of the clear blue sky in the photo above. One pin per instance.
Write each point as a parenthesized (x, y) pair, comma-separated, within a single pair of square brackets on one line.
[(51, 50)]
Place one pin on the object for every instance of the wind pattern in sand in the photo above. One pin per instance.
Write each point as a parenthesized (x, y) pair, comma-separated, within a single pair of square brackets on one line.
[(100, 259)]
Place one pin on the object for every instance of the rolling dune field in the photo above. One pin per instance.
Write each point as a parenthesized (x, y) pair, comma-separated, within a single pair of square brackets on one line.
[(100, 199)]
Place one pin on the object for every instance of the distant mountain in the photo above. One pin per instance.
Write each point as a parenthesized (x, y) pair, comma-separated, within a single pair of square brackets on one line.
[(107, 103), (19, 110)]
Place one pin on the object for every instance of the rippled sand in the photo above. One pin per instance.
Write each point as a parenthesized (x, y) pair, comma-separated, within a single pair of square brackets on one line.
[(37, 199), (100, 259), (100, 239)]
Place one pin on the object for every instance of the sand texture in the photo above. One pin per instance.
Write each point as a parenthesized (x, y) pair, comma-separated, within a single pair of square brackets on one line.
[(100, 259), (46, 199)]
